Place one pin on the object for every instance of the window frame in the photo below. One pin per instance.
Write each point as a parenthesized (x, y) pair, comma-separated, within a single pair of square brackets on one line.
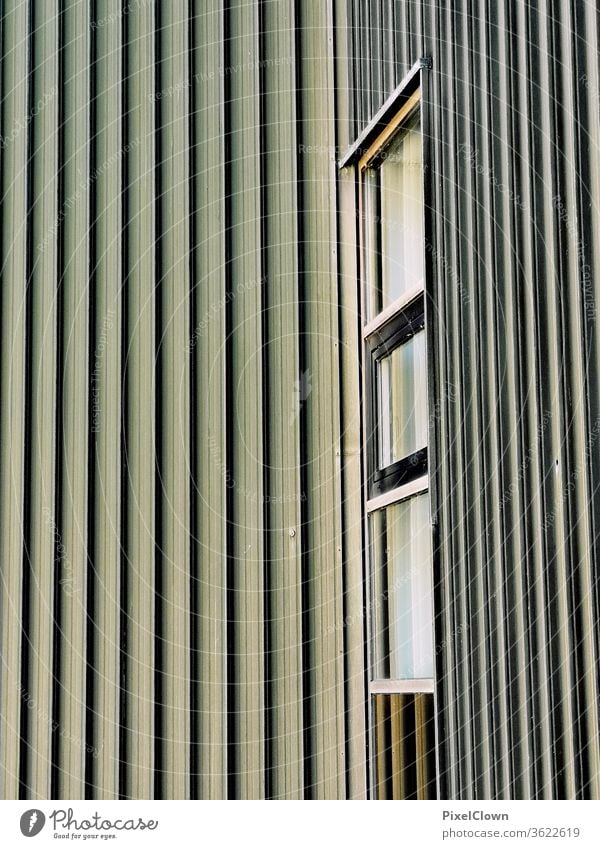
[(400, 328), (380, 333)]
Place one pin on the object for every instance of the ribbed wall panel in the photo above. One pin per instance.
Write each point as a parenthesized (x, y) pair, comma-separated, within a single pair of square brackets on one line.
[(319, 334), (352, 624), (173, 405), (246, 394), (40, 533), (13, 265), (180, 504), (287, 391), (72, 403), (209, 445), (181, 579), (106, 323), (512, 186), (137, 753)]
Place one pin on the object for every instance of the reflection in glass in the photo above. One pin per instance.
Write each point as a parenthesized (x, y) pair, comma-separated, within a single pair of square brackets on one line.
[(402, 216), (402, 401), (401, 613), (393, 210)]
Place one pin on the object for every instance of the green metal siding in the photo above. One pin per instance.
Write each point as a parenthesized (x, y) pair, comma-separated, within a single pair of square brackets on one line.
[(208, 458), (181, 592), (180, 505), (511, 117), (283, 544)]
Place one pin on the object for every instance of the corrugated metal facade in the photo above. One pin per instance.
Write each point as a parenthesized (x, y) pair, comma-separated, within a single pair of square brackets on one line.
[(511, 127), (180, 506)]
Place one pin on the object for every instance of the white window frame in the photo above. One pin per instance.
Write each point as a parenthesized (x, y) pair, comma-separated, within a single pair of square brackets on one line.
[(413, 487)]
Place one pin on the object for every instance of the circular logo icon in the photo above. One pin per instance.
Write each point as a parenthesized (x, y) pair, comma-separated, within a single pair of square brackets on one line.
[(32, 822)]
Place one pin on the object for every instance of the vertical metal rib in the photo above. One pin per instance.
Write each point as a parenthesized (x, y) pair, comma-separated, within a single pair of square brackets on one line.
[(587, 185), (41, 529), (138, 584), (173, 333), (352, 626), (247, 495), (13, 270), (207, 342), (105, 407), (322, 473), (71, 538), (286, 391)]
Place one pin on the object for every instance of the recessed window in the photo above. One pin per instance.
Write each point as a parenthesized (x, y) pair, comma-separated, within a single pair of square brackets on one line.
[(405, 759), (397, 395), (400, 583), (402, 621), (402, 401), (393, 200)]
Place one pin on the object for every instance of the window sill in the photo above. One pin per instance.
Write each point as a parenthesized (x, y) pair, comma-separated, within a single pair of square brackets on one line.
[(412, 685)]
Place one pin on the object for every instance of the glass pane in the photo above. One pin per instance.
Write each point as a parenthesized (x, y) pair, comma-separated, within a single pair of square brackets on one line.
[(401, 604), (404, 738), (402, 238), (402, 401)]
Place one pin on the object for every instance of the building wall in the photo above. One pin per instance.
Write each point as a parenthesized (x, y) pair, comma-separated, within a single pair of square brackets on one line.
[(181, 608), (180, 529), (513, 179)]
